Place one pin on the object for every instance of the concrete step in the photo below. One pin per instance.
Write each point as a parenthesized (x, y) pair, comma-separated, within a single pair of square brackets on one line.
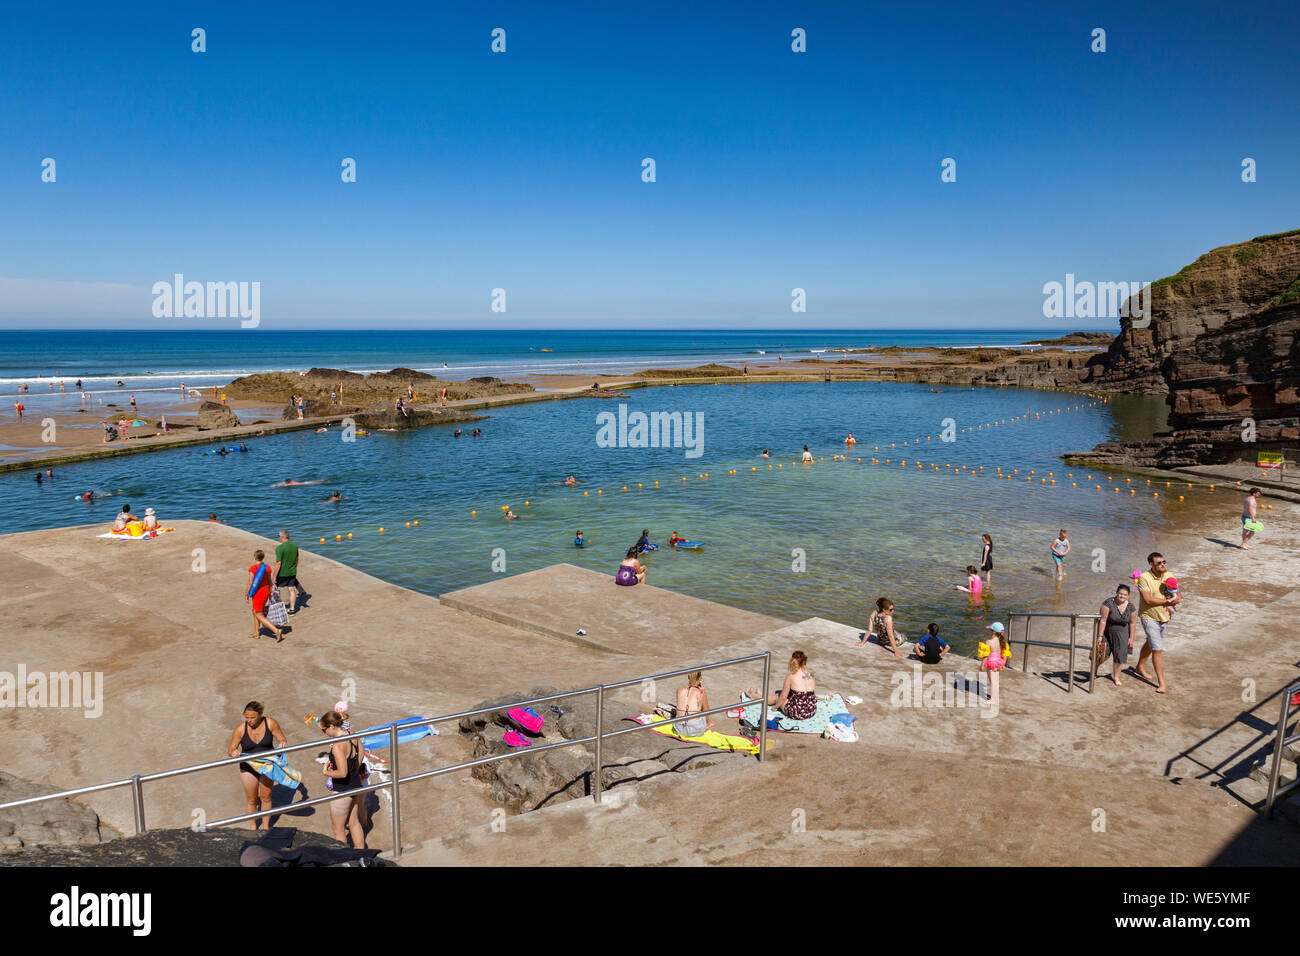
[(1260, 772)]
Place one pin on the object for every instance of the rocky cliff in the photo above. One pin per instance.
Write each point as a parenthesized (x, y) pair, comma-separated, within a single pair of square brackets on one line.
[(1222, 344)]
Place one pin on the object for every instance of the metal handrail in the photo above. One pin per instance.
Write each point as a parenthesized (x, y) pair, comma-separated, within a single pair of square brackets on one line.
[(136, 781), (1074, 622), (1280, 741)]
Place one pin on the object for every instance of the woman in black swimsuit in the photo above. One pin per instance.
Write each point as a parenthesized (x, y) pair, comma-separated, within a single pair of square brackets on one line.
[(344, 769), (986, 558), (257, 734)]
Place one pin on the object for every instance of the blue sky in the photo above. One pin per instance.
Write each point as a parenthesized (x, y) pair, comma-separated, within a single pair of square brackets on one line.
[(522, 170)]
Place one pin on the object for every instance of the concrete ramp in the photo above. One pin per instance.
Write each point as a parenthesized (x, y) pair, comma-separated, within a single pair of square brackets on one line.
[(560, 600)]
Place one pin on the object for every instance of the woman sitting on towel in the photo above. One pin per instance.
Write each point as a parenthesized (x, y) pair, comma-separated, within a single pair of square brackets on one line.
[(798, 696), (692, 699), (631, 571)]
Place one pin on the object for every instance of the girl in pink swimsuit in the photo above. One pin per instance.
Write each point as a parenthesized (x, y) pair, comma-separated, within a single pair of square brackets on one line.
[(974, 584)]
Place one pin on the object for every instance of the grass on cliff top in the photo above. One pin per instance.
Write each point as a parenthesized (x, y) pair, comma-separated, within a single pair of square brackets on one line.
[(1242, 252)]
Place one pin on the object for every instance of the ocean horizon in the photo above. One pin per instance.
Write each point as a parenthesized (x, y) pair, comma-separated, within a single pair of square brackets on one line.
[(149, 358)]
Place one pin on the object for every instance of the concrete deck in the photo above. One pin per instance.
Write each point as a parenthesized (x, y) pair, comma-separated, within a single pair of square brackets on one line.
[(925, 785)]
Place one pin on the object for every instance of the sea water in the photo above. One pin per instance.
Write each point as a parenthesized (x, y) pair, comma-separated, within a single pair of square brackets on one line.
[(825, 539)]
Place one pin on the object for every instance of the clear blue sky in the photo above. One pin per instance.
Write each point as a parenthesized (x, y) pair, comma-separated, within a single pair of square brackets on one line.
[(523, 170)]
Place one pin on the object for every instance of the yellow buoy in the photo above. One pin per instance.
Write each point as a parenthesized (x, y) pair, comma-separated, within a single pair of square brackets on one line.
[(525, 504), (381, 530), (599, 491), (349, 534), (584, 494), (416, 523), (408, 524), (338, 537), (473, 514), (322, 540), (505, 507)]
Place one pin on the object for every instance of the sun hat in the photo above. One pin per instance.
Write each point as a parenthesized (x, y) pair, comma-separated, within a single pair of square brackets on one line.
[(996, 627), (148, 511)]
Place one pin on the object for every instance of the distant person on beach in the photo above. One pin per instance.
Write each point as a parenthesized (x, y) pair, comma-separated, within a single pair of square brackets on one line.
[(300, 403), (1249, 512), (256, 734), (974, 586), (807, 455), (401, 407), (631, 571), (124, 517), (797, 698), (692, 699), (133, 404), (19, 408), (932, 647), (1060, 548), (881, 624), (1154, 613), (150, 520), (986, 559), (1118, 630), (286, 570), (442, 397), (259, 592), (343, 768)]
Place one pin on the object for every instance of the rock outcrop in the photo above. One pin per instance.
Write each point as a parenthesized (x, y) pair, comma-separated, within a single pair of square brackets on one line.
[(533, 780), (1223, 346), (215, 415), (52, 822)]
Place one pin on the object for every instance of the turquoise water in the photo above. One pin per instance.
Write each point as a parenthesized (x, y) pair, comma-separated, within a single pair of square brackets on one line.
[(865, 530)]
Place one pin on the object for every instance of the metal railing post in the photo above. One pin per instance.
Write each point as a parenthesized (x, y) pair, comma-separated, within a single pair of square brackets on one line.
[(394, 779), (1024, 661), (1070, 683), (762, 714), (1279, 744), (596, 788), (1096, 655), (137, 800)]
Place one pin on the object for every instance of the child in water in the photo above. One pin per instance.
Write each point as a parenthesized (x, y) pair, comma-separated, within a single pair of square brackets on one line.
[(579, 540), (974, 584)]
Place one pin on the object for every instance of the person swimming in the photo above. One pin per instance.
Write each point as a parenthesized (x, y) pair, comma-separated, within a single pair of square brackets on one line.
[(336, 496), (510, 515), (675, 538), (570, 480)]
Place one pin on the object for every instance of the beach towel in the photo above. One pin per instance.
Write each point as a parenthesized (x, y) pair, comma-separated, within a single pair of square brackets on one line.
[(127, 536), (278, 770), (710, 738), (404, 735), (827, 706)]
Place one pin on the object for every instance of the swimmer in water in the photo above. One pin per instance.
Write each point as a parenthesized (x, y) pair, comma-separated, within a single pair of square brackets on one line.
[(321, 430), (850, 440), (510, 515), (579, 540), (570, 480), (337, 496), (289, 483), (243, 447), (766, 453), (456, 433)]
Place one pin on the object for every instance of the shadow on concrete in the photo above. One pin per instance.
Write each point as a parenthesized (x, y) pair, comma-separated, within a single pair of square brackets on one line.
[(1236, 766)]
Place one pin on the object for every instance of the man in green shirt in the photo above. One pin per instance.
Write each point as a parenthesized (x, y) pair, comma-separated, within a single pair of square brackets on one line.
[(286, 571)]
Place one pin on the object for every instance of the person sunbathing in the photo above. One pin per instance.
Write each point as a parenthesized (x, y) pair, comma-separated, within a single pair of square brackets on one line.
[(631, 571), (692, 699), (797, 698)]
